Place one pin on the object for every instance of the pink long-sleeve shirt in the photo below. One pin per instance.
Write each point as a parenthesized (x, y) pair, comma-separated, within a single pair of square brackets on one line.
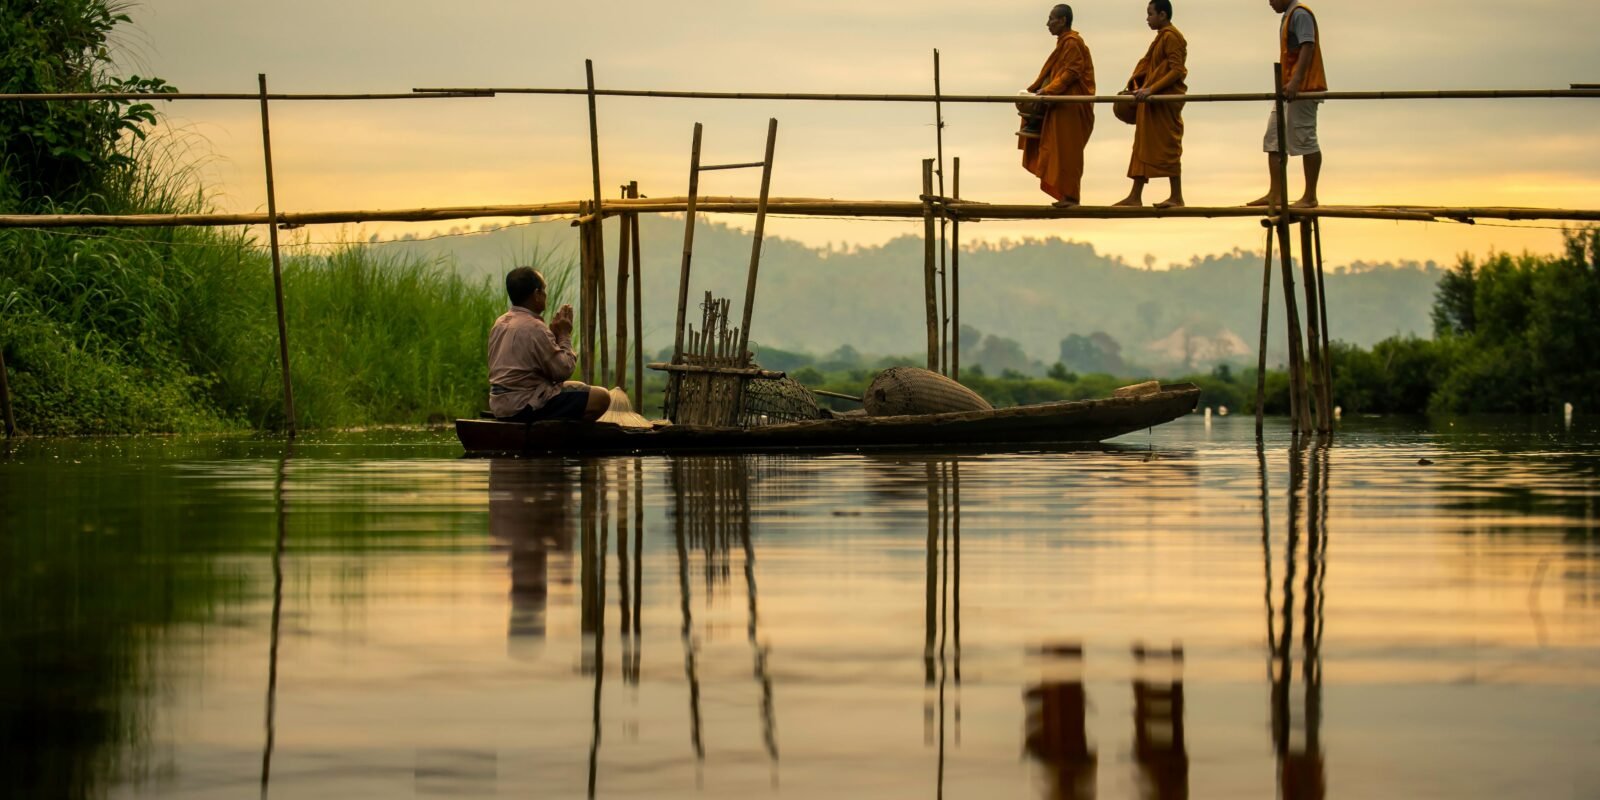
[(527, 362)]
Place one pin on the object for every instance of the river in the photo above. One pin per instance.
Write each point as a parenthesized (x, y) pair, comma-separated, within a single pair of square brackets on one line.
[(1410, 611)]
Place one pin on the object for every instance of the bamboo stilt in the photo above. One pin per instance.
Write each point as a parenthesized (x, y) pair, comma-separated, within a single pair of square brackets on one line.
[(944, 285), (632, 221), (624, 252), (1308, 273), (9, 421), (755, 245), (277, 264), (1261, 364), (1322, 311), (602, 337), (929, 302), (1298, 406), (598, 256), (585, 300), (688, 245), (955, 280)]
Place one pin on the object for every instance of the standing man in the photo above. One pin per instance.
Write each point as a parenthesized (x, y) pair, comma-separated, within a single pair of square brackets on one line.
[(530, 362), (1158, 132), (1300, 54), (1054, 151)]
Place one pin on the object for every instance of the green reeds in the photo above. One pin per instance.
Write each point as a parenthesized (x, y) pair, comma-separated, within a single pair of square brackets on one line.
[(161, 330)]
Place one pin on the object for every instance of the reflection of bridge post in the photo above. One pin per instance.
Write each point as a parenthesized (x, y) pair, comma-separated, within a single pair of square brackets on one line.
[(680, 536), (1301, 764), (1159, 744), (1057, 724), (281, 507)]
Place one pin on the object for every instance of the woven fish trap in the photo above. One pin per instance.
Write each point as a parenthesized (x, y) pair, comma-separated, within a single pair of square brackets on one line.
[(769, 402), (905, 391)]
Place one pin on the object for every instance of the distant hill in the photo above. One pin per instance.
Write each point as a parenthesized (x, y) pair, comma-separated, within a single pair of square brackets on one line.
[(1036, 292)]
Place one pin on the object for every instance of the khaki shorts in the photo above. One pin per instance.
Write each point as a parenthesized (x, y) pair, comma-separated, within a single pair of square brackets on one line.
[(1302, 129)]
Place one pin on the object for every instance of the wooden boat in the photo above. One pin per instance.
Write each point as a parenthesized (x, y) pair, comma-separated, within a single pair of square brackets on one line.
[(1045, 424)]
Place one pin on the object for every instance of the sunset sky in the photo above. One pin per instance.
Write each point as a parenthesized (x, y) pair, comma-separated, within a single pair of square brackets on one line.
[(522, 149)]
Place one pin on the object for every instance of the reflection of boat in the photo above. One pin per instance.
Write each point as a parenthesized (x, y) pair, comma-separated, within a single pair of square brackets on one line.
[(1048, 423)]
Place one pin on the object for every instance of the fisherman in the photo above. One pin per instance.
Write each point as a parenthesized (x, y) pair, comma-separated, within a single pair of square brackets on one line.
[(1300, 53), (1158, 132), (1054, 135), (530, 362)]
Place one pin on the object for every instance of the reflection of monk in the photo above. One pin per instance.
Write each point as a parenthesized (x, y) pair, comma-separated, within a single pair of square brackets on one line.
[(1159, 744), (1054, 152), (1158, 131), (1057, 725), (530, 508)]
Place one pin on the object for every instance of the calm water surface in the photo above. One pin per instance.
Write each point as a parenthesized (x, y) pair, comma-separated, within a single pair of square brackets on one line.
[(1176, 614)]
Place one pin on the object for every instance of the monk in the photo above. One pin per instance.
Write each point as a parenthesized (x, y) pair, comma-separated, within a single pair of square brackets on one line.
[(1055, 155), (1158, 132), (1300, 53)]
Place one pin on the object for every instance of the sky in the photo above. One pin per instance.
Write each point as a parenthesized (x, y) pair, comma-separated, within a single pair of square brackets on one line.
[(528, 149)]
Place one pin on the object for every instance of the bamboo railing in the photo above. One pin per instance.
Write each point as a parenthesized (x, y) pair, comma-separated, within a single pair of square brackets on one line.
[(943, 355)]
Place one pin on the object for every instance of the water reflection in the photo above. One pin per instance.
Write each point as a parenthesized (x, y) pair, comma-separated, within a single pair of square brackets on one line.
[(1080, 624), (1297, 707)]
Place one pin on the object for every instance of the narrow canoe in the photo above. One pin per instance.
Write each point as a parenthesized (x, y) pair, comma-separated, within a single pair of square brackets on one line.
[(1045, 424)]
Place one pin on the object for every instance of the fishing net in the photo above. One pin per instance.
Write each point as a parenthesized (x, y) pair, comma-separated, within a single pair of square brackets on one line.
[(769, 402)]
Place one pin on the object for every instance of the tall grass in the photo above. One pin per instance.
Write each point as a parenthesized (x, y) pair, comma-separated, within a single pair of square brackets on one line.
[(158, 330)]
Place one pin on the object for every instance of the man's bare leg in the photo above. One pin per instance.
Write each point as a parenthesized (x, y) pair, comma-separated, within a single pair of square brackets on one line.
[(1135, 198), (1176, 200), (1066, 202), (1271, 197), (599, 402), (1313, 174)]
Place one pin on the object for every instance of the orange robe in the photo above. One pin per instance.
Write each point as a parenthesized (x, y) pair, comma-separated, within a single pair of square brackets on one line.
[(1158, 133), (1056, 157)]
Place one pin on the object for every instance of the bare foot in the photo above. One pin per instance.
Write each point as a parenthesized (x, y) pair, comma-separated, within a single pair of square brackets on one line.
[(1065, 202), (1129, 202), (1171, 202), (1263, 200), (1304, 202)]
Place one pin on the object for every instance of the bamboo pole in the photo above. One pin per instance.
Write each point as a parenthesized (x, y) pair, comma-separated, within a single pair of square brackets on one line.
[(688, 245), (755, 244), (1308, 273), (585, 298), (929, 302), (277, 263), (55, 97), (598, 256), (597, 231), (1322, 311), (1261, 361), (888, 209), (10, 422), (1225, 97), (944, 286), (623, 252), (1297, 388), (632, 221), (955, 280)]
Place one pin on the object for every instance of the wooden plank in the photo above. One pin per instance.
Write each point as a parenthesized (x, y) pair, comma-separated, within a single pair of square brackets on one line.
[(752, 372)]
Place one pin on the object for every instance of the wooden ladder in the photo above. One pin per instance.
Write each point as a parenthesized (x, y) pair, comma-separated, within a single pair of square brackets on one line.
[(724, 361)]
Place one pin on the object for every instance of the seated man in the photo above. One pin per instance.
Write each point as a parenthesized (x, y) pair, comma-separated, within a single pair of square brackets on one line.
[(530, 362)]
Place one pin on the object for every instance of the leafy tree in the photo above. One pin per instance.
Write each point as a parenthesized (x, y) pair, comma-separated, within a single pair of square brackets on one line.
[(60, 153)]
